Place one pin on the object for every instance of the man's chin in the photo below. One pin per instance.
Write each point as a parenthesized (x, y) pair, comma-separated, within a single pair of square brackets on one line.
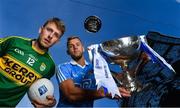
[(76, 57), (45, 46)]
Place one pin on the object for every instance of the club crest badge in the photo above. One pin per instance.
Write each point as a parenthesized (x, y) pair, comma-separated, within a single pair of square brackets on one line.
[(42, 67)]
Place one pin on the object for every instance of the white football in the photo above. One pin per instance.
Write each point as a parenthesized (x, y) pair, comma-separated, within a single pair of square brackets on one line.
[(40, 89)]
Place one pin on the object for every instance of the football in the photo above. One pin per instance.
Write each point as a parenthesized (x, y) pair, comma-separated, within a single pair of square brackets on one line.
[(40, 89)]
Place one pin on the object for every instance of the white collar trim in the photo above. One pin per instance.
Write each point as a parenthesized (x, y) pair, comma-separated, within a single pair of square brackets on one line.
[(75, 63)]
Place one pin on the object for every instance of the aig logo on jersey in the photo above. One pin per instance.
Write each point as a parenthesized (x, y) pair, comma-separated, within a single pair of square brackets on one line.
[(42, 67), (19, 51)]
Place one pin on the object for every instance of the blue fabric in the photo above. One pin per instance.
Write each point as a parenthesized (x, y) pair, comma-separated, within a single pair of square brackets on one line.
[(82, 77), (157, 95)]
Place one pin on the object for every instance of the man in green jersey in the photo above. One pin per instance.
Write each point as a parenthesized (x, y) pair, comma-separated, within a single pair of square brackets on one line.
[(22, 61)]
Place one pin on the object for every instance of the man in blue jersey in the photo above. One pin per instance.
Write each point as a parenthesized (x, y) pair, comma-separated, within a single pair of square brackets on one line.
[(76, 79)]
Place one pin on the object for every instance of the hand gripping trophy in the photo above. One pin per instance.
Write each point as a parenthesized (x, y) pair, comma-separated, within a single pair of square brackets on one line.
[(131, 53)]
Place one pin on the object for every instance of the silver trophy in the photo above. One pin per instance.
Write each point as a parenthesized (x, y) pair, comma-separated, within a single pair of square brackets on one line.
[(124, 51)]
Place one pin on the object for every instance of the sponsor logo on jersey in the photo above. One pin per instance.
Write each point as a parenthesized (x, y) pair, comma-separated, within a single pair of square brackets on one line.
[(17, 71), (19, 51), (42, 67)]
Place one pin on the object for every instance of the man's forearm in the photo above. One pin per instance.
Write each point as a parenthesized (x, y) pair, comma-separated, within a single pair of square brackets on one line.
[(79, 94)]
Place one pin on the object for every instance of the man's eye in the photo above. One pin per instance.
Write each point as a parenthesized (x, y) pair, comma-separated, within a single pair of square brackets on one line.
[(56, 35), (78, 44), (49, 29), (70, 46)]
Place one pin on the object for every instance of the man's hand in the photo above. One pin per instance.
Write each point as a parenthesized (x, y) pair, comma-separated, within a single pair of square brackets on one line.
[(124, 92), (51, 101)]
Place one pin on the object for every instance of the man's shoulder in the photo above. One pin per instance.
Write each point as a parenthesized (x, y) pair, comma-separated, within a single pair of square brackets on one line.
[(65, 67), (65, 64), (17, 37)]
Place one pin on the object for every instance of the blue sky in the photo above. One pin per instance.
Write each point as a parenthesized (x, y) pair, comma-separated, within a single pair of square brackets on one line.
[(119, 18)]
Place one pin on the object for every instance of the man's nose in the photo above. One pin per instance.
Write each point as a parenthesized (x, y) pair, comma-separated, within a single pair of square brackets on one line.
[(50, 35), (75, 46)]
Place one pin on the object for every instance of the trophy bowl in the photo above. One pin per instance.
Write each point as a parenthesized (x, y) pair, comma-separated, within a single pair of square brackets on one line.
[(123, 51), (125, 48)]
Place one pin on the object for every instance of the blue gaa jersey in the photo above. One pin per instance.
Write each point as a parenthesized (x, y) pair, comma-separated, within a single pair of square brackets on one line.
[(83, 77)]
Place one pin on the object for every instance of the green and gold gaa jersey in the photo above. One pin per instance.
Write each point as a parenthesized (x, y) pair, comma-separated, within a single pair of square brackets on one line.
[(20, 65)]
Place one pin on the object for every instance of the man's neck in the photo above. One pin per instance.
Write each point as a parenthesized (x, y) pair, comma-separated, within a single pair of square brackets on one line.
[(81, 61), (36, 46)]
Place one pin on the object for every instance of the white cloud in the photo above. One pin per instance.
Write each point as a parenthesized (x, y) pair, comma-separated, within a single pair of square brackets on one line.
[(178, 1)]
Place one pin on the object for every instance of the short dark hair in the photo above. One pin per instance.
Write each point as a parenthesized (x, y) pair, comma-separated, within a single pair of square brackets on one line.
[(59, 23), (72, 37)]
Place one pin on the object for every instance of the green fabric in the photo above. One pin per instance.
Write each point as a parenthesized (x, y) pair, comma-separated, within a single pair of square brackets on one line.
[(20, 65)]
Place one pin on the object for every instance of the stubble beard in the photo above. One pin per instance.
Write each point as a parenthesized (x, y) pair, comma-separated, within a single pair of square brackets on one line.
[(77, 58), (41, 46)]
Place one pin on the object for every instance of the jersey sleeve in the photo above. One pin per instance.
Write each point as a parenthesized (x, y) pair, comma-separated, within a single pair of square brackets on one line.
[(63, 72), (5, 43)]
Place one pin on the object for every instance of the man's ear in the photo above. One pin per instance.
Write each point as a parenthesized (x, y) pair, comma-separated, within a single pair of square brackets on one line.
[(83, 49), (40, 29), (67, 51)]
